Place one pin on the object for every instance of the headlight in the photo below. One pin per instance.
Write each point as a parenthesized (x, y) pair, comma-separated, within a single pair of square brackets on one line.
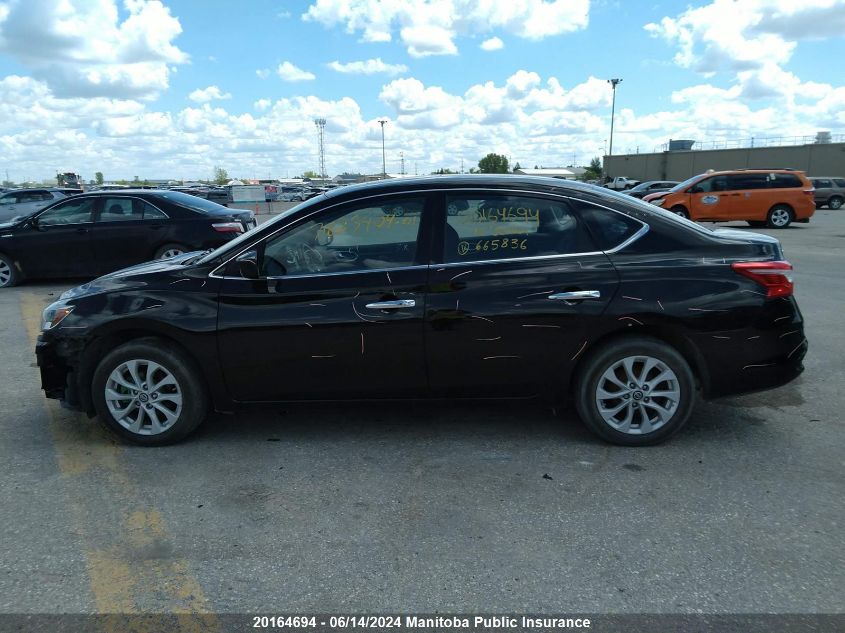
[(54, 314), (659, 202)]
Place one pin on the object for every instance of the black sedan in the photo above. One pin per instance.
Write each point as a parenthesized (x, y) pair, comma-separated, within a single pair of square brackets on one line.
[(103, 231), (565, 291)]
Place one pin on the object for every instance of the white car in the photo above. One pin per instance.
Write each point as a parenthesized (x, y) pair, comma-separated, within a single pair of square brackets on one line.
[(23, 202)]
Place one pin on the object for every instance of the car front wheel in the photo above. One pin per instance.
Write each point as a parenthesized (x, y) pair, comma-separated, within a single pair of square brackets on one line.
[(679, 210), (170, 250), (835, 203), (149, 393), (635, 392)]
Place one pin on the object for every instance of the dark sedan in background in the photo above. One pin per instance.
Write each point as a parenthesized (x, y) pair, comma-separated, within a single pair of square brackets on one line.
[(650, 186), (557, 290), (99, 232)]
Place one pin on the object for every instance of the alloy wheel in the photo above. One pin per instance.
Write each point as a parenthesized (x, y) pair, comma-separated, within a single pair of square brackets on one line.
[(780, 217), (835, 203), (143, 396), (5, 273), (638, 395), (172, 252)]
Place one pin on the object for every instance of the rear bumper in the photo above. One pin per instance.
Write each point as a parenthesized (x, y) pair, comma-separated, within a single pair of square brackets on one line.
[(763, 375)]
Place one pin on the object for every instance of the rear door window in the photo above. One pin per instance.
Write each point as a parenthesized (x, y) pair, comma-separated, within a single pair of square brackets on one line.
[(737, 182), (840, 182), (818, 183), (483, 227), (118, 210)]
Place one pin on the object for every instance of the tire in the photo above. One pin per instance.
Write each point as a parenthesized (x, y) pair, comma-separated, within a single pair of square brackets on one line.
[(9, 275), (681, 211), (756, 223), (679, 388), (835, 203), (179, 406), (780, 216), (170, 250)]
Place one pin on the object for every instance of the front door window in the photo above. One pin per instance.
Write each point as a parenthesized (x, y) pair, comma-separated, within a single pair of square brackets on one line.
[(76, 211)]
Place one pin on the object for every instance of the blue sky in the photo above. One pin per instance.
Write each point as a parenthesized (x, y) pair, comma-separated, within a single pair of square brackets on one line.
[(172, 88)]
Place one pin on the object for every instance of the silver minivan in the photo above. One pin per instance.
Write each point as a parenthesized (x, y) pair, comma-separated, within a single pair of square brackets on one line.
[(23, 202)]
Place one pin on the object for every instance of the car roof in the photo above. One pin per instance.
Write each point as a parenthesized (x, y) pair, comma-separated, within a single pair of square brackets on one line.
[(774, 170), (459, 181)]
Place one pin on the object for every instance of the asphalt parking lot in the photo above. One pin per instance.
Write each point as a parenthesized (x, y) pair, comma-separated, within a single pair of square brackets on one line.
[(398, 508)]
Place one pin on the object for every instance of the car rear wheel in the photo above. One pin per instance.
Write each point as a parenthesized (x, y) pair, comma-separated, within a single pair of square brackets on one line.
[(835, 203), (780, 217), (681, 211), (8, 275), (636, 392), (149, 393), (170, 250)]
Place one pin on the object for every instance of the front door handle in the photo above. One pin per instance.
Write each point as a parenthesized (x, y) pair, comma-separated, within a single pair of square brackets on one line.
[(391, 305), (575, 295)]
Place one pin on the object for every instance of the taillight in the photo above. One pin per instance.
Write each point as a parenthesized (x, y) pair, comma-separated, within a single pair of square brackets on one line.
[(228, 227), (810, 192), (773, 276)]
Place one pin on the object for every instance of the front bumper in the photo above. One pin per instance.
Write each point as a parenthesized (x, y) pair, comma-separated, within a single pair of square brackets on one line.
[(58, 378)]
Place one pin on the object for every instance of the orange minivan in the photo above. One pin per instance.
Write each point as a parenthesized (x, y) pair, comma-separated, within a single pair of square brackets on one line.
[(762, 197)]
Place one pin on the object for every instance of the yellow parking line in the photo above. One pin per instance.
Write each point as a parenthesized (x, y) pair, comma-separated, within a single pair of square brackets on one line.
[(125, 550)]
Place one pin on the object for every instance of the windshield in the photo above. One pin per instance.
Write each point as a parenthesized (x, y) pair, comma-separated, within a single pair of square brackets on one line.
[(683, 185), (235, 244)]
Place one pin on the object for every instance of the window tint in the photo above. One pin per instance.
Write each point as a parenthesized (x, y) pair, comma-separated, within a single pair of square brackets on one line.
[(715, 183), (359, 238), (840, 182), (818, 183), (480, 228), (118, 210), (34, 196), (200, 205), (9, 198), (747, 181), (783, 181), (149, 211), (75, 211), (608, 228)]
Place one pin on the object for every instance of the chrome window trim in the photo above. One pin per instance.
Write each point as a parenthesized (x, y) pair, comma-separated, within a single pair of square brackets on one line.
[(642, 231), (340, 272)]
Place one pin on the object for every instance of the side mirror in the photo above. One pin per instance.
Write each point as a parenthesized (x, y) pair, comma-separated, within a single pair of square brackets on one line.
[(248, 265)]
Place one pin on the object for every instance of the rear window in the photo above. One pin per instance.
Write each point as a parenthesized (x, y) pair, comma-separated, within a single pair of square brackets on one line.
[(818, 183), (609, 228), (747, 181), (785, 181), (200, 205)]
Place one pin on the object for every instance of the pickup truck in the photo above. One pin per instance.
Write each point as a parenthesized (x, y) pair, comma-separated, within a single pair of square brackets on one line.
[(621, 182)]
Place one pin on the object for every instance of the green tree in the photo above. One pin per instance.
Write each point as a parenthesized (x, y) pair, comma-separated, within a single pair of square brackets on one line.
[(493, 164), (221, 176), (310, 174), (98, 177), (594, 171), (442, 171), (517, 166)]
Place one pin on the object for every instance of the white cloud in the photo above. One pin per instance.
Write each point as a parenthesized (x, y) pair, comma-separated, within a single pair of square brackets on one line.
[(289, 72), (746, 34), (262, 73), (212, 93), (430, 27), (368, 67), (262, 104), (492, 44), (81, 48)]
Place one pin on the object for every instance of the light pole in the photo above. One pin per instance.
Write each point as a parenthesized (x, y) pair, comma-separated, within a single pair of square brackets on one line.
[(383, 163), (613, 83)]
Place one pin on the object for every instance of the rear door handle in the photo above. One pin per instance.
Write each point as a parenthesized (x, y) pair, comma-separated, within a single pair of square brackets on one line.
[(81, 231), (391, 305), (575, 295)]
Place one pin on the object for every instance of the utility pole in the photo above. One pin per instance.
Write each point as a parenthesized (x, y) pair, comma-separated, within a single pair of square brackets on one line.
[(321, 127), (613, 83), (383, 163), (402, 159), (462, 165)]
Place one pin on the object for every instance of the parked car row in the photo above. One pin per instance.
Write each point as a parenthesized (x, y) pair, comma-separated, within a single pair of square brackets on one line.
[(99, 232), (21, 202)]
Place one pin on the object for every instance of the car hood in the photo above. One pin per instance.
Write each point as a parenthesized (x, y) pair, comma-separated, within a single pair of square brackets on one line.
[(132, 276)]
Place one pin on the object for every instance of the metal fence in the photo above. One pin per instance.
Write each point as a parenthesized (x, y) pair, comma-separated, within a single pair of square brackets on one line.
[(760, 141)]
